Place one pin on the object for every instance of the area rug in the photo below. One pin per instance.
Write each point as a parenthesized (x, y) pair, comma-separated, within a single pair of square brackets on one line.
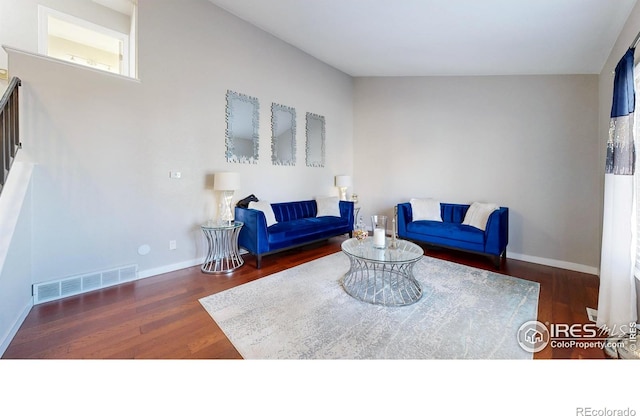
[(304, 313)]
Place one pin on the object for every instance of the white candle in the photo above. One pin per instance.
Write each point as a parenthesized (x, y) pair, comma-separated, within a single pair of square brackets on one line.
[(378, 237)]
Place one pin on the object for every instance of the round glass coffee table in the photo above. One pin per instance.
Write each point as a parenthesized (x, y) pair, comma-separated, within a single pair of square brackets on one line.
[(382, 276)]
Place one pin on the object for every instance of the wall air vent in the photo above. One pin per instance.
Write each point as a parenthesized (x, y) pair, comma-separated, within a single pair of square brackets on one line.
[(69, 286)]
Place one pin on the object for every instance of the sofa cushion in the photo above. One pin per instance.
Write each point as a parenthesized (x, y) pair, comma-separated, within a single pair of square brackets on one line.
[(266, 208), (329, 206), (305, 227), (454, 212), (453, 231), (425, 209), (478, 214), (287, 211)]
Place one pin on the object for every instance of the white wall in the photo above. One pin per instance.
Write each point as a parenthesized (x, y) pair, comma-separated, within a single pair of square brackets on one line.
[(105, 145), (526, 142)]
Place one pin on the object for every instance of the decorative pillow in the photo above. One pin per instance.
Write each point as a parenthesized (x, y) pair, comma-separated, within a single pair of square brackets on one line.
[(265, 207), (478, 214), (328, 207), (425, 209)]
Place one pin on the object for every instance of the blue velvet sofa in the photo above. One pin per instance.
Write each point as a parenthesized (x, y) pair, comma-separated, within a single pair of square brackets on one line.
[(451, 233), (297, 225)]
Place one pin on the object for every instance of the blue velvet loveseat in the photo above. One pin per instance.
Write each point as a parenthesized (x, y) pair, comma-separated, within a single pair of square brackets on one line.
[(452, 233), (297, 224)]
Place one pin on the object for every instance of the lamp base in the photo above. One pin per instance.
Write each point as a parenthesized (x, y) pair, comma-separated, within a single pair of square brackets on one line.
[(226, 215), (343, 193)]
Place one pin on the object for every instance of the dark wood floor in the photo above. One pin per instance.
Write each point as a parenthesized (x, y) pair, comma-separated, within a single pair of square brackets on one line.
[(160, 316)]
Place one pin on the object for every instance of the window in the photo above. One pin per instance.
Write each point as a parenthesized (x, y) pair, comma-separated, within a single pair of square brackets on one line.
[(84, 43)]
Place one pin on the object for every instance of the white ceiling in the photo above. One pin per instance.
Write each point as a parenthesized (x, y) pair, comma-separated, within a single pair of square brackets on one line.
[(444, 37)]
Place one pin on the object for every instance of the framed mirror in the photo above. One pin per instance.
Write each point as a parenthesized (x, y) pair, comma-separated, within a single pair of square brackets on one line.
[(283, 135), (315, 140), (242, 128)]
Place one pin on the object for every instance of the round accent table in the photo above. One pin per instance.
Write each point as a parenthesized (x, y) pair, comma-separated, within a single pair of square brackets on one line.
[(223, 255), (382, 276)]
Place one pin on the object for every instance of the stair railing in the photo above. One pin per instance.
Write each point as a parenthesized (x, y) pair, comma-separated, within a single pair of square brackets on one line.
[(9, 129)]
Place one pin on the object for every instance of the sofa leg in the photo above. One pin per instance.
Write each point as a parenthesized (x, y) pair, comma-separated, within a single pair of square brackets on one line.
[(350, 234), (497, 261), (258, 261)]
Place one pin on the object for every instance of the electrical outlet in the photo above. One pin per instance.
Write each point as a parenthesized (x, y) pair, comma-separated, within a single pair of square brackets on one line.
[(175, 175), (172, 245)]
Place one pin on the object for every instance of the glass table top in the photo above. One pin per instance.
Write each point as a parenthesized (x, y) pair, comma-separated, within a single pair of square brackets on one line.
[(221, 225), (404, 252)]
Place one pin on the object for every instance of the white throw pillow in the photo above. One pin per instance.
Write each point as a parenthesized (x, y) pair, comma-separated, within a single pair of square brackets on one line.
[(329, 206), (425, 209), (265, 207), (478, 214)]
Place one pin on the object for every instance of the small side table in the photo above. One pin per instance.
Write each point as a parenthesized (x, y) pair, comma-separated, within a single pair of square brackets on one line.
[(223, 255)]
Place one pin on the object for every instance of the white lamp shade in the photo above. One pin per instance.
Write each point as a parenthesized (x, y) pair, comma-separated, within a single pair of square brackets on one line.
[(343, 181), (226, 181)]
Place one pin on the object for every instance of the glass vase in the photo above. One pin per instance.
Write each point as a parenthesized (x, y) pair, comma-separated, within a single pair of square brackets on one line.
[(379, 226)]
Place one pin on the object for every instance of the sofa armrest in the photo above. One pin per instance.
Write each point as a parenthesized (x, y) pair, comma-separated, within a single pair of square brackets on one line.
[(497, 232), (405, 216), (254, 235), (347, 212)]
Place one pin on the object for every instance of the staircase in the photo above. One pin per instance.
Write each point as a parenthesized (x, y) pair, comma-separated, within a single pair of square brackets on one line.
[(15, 220)]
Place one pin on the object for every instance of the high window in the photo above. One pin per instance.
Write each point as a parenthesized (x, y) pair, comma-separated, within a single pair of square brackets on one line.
[(75, 40)]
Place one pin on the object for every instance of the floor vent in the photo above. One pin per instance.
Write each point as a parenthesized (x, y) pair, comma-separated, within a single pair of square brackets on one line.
[(69, 286)]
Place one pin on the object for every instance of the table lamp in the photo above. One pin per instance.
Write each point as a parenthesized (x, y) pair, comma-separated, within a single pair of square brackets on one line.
[(226, 182), (343, 182)]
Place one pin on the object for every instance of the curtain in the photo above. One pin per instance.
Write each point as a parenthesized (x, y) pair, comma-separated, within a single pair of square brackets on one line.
[(617, 296)]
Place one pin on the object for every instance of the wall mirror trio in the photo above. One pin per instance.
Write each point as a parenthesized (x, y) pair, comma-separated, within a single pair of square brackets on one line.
[(242, 115)]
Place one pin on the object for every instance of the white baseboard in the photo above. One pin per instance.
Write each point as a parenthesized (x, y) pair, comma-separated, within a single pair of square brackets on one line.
[(555, 263), (8, 337), (169, 268)]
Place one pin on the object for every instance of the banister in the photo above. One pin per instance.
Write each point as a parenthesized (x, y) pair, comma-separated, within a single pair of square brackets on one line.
[(13, 84), (9, 128)]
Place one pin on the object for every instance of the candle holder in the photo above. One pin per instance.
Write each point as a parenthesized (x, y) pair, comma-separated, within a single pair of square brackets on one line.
[(394, 229), (379, 226)]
